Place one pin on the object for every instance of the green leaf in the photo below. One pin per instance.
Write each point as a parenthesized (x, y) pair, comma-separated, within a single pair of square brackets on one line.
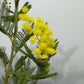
[(17, 80), (24, 40), (21, 76), (56, 45), (24, 81), (2, 30), (29, 6), (23, 73), (27, 49), (27, 65), (3, 57), (19, 63), (42, 75), (9, 18)]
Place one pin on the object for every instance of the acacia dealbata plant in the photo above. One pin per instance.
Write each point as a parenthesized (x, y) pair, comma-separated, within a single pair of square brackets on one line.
[(33, 31)]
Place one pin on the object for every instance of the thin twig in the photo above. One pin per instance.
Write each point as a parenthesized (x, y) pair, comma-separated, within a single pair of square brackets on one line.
[(6, 33)]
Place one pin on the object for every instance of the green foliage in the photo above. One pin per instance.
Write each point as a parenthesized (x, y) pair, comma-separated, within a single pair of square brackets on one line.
[(19, 63), (42, 75), (6, 26), (9, 18), (23, 73), (25, 76), (3, 56), (1, 29), (20, 76), (56, 44), (38, 62), (24, 40)]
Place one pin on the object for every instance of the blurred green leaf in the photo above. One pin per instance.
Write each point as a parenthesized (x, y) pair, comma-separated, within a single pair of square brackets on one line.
[(19, 63), (3, 57)]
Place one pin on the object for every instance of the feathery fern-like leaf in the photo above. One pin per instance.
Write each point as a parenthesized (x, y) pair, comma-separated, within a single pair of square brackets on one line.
[(20, 62), (3, 57)]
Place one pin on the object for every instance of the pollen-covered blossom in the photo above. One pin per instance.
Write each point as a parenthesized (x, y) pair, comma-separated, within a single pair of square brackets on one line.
[(51, 39), (43, 37), (44, 56), (32, 40), (25, 9), (51, 51), (37, 32), (48, 32), (43, 45), (23, 17), (27, 28), (39, 19), (31, 19), (37, 51)]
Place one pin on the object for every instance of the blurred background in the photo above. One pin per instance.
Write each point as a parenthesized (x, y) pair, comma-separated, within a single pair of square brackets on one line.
[(66, 20)]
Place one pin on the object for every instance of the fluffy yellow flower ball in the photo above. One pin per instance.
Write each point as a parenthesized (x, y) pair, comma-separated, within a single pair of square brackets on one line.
[(52, 45), (48, 32), (37, 25), (39, 19), (25, 26), (37, 51), (37, 32), (44, 56), (23, 17), (51, 40), (43, 45), (43, 37), (51, 51), (45, 27), (29, 30), (32, 40), (31, 19), (25, 9)]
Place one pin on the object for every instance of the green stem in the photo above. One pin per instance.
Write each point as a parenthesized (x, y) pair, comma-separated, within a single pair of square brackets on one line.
[(13, 43), (9, 67), (6, 77)]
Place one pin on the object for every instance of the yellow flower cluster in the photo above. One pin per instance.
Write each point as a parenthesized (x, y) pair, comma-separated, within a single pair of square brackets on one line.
[(25, 9), (45, 43), (26, 26), (28, 20), (32, 39), (37, 51), (42, 35)]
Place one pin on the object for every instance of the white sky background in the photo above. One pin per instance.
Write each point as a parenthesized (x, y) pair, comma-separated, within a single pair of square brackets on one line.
[(66, 20)]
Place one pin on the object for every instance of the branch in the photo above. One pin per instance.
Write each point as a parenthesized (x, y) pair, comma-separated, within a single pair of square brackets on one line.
[(38, 62), (5, 32)]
